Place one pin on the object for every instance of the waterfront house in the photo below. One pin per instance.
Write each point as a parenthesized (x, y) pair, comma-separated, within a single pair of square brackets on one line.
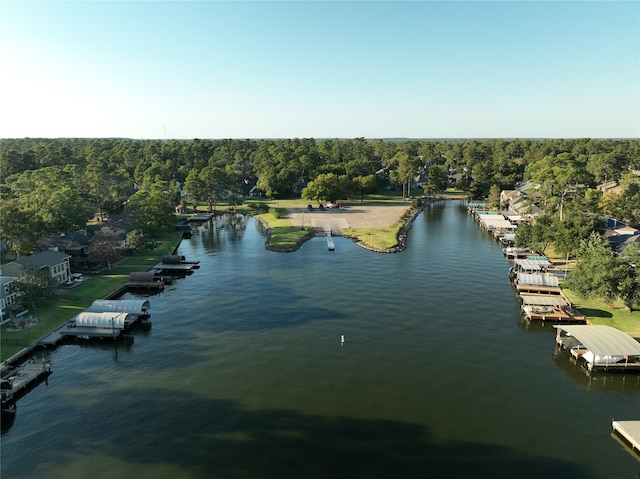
[(76, 245), (9, 301), (55, 263)]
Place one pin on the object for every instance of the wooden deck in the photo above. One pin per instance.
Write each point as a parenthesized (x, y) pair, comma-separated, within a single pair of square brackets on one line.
[(538, 289), (516, 254), (18, 381), (559, 315), (145, 285), (330, 244), (179, 268), (201, 217), (628, 434)]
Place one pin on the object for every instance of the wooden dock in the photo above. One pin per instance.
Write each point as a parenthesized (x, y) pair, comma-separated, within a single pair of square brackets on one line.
[(330, 244), (163, 268), (17, 382), (174, 264), (558, 314), (628, 434), (201, 217)]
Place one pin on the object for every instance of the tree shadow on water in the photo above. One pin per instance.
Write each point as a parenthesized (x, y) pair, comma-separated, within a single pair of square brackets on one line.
[(217, 438)]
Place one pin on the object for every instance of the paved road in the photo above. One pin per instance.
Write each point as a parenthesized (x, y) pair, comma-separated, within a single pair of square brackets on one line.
[(352, 216)]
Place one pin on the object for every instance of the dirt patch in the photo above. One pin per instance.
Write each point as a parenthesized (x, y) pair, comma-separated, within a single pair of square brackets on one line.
[(352, 216)]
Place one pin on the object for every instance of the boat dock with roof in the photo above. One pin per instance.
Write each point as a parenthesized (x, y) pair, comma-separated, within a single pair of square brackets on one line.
[(104, 319), (601, 347), (174, 264), (537, 283), (200, 217), (550, 307)]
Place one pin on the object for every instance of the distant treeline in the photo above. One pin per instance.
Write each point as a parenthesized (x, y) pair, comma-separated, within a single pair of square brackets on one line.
[(280, 168), (54, 186)]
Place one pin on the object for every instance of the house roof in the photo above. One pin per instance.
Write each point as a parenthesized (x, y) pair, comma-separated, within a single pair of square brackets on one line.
[(44, 258), (603, 340), (620, 243), (58, 242), (510, 194)]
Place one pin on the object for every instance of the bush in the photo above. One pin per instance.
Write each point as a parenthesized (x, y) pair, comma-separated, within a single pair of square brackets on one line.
[(277, 212), (261, 207), (139, 243)]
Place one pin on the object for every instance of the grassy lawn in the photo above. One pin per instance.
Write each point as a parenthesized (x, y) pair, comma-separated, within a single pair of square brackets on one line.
[(70, 302), (614, 314), (376, 238), (284, 236), (598, 311)]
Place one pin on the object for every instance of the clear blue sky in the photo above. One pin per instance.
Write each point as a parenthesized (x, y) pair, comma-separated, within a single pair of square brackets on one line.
[(326, 69)]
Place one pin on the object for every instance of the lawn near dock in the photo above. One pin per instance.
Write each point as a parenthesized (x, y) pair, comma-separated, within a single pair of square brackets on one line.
[(71, 301)]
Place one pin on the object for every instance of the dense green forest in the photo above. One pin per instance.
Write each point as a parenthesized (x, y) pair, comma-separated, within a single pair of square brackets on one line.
[(52, 186)]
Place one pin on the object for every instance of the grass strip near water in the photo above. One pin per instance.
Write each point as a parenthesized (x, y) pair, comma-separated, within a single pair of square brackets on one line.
[(382, 238), (69, 302), (284, 236), (598, 311)]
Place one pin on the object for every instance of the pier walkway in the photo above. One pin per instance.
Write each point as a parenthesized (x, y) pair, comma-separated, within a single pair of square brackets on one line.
[(16, 382), (628, 433)]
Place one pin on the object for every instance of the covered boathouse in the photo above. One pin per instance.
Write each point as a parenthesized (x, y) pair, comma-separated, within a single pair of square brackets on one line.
[(537, 283), (601, 347), (107, 320), (89, 324), (139, 307), (550, 307)]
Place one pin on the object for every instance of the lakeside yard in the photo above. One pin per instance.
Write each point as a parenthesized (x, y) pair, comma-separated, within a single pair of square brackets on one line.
[(70, 301)]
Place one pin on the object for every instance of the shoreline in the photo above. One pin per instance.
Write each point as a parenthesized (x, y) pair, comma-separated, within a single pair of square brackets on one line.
[(407, 218)]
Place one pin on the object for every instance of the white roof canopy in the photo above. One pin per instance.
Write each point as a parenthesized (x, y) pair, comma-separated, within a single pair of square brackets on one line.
[(537, 279), (134, 306), (603, 340), (102, 320), (498, 223), (543, 300), (531, 264)]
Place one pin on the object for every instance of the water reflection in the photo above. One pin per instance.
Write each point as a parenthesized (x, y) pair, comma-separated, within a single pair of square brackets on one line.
[(575, 370), (244, 375), (227, 227), (8, 418)]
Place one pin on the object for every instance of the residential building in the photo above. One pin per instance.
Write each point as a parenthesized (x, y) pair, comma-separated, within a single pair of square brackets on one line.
[(57, 265)]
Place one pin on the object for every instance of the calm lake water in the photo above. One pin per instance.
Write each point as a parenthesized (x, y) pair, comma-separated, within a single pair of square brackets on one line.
[(243, 374)]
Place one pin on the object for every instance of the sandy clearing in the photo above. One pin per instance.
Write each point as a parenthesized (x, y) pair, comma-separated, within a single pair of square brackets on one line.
[(351, 216)]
